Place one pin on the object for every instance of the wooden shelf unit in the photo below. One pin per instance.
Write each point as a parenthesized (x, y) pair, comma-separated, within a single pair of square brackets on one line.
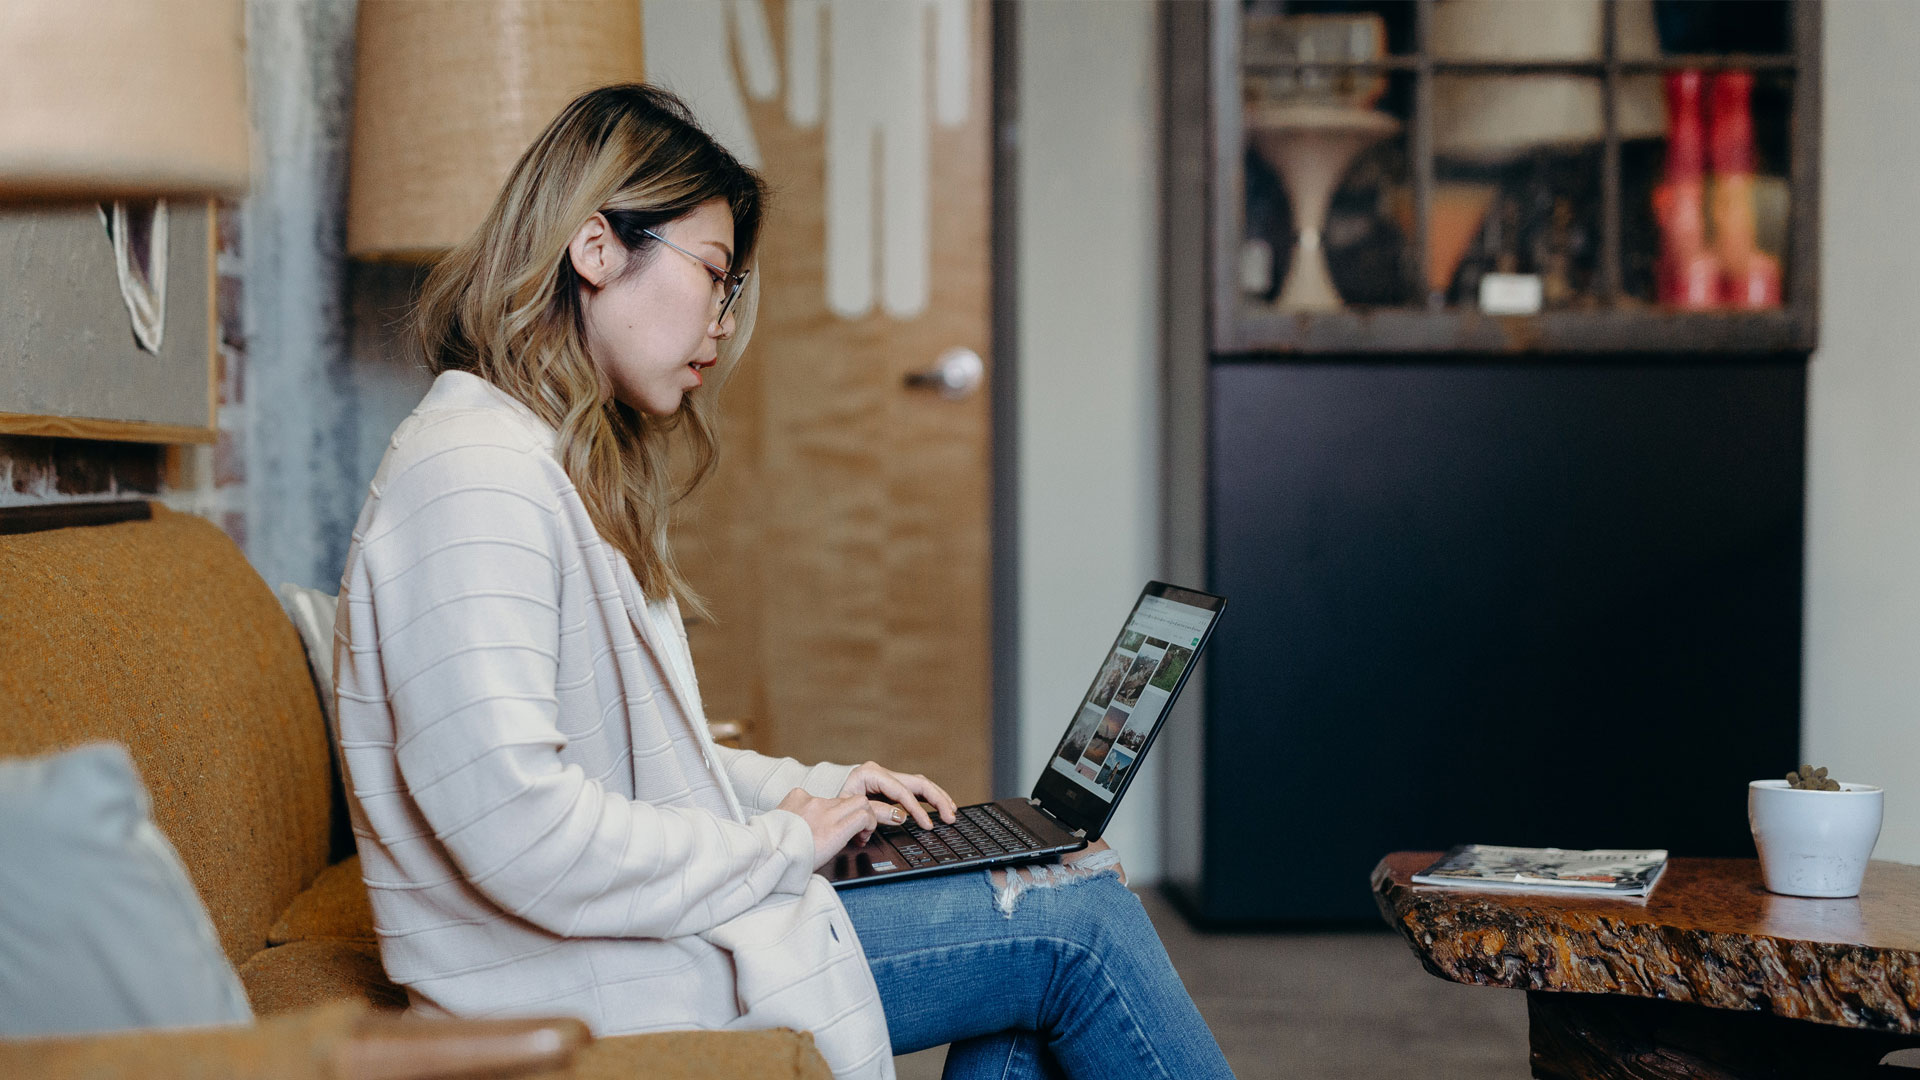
[(1477, 564), (1617, 324)]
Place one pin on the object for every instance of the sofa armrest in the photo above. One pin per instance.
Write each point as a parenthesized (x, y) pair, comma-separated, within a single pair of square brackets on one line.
[(339, 1041), (394, 1046), (770, 1054)]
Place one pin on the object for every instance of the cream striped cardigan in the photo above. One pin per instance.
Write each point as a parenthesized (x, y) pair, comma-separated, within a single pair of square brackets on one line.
[(544, 824)]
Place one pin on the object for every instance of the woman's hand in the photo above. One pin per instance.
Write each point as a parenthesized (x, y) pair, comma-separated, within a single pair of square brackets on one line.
[(904, 789), (833, 821)]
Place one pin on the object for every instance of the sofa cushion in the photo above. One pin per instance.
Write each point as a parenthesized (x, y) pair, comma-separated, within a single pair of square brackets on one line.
[(99, 928), (334, 906), (289, 977), (160, 636)]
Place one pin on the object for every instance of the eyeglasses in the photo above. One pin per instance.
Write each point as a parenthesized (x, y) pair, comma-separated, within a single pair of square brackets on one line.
[(733, 281)]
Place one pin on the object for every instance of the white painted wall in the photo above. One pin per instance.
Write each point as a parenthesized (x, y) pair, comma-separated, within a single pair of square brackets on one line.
[(1862, 668), (1088, 366)]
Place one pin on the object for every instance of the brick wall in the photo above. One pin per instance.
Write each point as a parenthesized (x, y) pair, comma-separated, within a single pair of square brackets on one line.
[(199, 479)]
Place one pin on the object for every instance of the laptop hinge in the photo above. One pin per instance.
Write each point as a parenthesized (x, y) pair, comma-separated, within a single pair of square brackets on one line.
[(1055, 818)]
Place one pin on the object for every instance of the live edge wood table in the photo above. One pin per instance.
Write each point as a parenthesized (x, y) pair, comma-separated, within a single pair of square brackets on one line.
[(1710, 977)]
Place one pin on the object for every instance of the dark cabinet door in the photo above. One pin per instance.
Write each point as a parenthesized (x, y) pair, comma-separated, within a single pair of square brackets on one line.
[(1536, 604)]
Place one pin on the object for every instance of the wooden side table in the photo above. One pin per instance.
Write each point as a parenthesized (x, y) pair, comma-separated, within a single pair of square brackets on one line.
[(1710, 977)]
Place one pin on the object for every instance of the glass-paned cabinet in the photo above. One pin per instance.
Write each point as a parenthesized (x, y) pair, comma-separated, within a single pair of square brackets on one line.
[(1513, 176)]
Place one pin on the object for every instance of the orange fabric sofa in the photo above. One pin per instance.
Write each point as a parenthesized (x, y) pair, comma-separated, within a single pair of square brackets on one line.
[(158, 634)]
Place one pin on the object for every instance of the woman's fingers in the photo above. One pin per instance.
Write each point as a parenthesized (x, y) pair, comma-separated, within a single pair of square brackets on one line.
[(864, 817), (906, 789), (935, 794), (846, 818), (856, 815), (834, 822), (871, 779), (887, 813), (918, 788), (892, 785)]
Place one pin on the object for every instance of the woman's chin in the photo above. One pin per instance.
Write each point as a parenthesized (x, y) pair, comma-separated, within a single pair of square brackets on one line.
[(659, 404)]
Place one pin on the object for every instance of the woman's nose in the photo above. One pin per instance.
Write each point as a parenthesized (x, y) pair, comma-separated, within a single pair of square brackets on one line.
[(722, 328)]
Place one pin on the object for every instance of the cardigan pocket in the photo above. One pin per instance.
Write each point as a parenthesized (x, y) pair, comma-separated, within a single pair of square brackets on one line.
[(798, 963)]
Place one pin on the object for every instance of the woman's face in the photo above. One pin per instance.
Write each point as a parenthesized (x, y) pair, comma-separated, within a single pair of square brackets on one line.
[(652, 331)]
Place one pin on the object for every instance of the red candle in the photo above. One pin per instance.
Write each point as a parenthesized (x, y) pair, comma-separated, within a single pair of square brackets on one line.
[(1687, 274), (1749, 277)]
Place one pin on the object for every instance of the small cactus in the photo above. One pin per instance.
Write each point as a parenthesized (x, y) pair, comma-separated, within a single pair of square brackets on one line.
[(1808, 778)]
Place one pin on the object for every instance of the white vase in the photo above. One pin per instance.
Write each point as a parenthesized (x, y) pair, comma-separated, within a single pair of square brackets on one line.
[(1814, 843), (1311, 146)]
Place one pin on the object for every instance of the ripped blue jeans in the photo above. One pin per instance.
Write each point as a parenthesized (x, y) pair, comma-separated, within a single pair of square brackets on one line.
[(1060, 974)]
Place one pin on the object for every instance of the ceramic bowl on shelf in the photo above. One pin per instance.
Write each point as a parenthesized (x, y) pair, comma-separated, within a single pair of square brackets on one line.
[(1814, 843)]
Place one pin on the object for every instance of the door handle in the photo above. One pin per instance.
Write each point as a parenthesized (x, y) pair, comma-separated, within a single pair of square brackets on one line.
[(957, 373)]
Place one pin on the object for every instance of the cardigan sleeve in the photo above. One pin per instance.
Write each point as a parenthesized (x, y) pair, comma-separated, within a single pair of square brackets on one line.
[(761, 781), (465, 555)]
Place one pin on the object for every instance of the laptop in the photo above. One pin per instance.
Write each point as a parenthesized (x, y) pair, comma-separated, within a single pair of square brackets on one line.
[(1091, 768)]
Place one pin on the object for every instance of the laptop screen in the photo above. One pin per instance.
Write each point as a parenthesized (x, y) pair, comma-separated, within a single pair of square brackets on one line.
[(1136, 682)]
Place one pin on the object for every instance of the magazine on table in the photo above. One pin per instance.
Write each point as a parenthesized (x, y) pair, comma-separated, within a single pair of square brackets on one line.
[(1607, 872)]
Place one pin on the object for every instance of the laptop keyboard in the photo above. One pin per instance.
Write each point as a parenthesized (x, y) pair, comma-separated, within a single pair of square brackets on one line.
[(977, 832)]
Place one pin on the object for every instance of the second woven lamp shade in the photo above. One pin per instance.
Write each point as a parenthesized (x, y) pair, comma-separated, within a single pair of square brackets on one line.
[(449, 93)]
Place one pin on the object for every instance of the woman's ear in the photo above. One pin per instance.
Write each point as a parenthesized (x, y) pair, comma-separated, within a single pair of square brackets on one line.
[(596, 253)]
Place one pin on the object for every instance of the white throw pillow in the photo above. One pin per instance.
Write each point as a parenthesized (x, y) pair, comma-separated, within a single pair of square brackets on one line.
[(312, 613), (100, 929)]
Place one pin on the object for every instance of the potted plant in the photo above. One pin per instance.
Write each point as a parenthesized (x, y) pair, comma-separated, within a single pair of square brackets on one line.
[(1814, 833)]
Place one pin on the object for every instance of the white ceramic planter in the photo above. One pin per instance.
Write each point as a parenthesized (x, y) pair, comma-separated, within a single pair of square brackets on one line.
[(1813, 843)]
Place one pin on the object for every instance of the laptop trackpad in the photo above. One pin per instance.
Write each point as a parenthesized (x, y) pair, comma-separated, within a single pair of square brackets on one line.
[(876, 856)]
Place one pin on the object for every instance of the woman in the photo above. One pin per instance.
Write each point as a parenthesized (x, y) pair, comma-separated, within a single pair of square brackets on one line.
[(544, 823)]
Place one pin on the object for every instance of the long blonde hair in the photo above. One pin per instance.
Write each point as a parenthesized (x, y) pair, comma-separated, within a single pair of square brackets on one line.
[(505, 305)]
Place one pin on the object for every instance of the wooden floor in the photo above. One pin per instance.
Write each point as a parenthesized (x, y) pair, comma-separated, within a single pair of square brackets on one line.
[(1330, 1006)]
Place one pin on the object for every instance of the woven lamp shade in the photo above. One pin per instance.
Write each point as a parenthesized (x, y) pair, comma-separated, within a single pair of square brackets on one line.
[(448, 95), (122, 99)]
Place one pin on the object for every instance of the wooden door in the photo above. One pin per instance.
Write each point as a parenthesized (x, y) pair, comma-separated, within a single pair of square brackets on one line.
[(843, 544)]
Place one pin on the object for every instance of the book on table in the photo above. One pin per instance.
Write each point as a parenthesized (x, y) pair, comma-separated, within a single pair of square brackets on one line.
[(1606, 872)]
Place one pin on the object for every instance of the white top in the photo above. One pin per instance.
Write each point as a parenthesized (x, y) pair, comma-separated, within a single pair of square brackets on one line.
[(544, 823)]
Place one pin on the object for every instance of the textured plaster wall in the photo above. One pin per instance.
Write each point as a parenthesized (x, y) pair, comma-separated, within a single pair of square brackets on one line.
[(331, 377), (300, 419)]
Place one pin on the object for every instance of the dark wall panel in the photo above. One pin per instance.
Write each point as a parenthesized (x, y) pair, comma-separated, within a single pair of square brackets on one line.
[(1538, 605)]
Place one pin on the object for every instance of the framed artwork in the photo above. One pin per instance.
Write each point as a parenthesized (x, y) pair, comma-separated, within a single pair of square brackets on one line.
[(108, 322)]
